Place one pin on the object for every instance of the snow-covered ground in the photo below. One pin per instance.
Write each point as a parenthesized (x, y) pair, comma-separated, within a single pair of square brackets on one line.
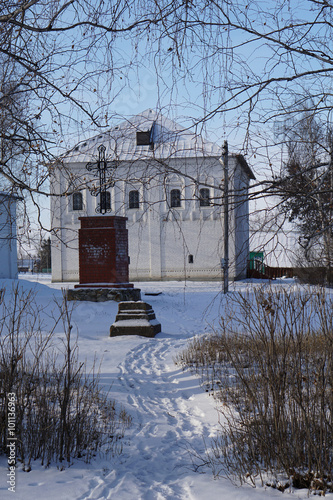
[(171, 413)]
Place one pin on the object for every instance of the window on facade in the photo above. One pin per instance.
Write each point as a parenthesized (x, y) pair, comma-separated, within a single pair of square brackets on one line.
[(105, 201), (133, 199), (204, 197), (190, 259), (77, 201), (175, 200)]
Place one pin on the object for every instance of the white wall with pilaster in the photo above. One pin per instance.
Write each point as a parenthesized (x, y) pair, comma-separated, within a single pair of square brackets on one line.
[(8, 240), (164, 242)]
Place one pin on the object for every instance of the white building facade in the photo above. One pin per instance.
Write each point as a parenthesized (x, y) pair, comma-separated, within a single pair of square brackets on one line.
[(169, 184), (8, 237)]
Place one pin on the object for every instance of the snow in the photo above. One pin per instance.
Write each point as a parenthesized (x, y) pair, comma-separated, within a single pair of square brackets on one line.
[(171, 413), (170, 139), (134, 322)]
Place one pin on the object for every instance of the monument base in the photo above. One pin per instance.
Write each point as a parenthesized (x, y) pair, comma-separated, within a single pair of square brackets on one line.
[(102, 294), (104, 285)]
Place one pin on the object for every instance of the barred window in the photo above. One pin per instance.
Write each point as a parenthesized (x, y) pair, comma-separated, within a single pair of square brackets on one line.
[(204, 197), (105, 200), (175, 200), (77, 201), (133, 199)]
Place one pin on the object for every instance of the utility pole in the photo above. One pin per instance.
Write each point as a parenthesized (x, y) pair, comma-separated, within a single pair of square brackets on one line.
[(225, 262)]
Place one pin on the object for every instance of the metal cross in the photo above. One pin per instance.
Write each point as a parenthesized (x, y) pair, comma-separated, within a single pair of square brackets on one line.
[(101, 166)]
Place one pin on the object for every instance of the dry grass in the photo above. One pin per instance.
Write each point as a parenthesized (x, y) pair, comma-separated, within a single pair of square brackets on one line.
[(60, 411), (271, 367)]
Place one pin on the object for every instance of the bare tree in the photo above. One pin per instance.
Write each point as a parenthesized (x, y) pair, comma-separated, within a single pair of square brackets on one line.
[(246, 64), (67, 53), (305, 186)]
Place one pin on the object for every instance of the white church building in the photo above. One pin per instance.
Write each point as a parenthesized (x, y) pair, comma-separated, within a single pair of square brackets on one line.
[(168, 182)]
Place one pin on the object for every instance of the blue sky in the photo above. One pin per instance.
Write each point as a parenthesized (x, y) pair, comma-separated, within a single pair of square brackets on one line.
[(186, 93)]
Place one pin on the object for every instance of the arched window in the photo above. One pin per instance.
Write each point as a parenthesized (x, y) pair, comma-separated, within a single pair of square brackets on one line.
[(77, 201), (105, 200), (175, 200), (204, 197), (133, 199)]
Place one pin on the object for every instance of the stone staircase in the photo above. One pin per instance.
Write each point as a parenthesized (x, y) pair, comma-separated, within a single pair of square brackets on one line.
[(135, 318)]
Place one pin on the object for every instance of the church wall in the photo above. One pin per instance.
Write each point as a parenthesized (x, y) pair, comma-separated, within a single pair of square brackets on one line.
[(192, 249), (161, 240)]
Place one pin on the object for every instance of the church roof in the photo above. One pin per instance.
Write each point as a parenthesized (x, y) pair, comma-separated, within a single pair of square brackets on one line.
[(147, 135), (167, 139)]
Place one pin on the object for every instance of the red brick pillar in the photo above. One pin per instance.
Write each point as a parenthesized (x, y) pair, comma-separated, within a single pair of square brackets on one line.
[(103, 252)]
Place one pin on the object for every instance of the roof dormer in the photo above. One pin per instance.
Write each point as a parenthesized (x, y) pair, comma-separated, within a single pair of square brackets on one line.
[(146, 138)]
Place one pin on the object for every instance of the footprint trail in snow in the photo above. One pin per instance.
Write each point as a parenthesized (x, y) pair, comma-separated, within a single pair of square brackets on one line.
[(163, 429)]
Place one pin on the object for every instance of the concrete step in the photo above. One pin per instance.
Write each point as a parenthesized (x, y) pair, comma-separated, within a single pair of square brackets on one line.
[(135, 318)]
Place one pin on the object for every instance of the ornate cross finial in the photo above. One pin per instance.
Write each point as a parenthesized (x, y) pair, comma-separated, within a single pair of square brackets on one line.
[(101, 166)]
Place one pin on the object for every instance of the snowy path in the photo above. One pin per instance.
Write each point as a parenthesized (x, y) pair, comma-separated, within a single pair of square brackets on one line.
[(165, 421)]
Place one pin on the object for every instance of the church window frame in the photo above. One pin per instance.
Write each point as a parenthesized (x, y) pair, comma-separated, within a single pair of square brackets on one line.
[(204, 197), (175, 198), (134, 199), (77, 201), (105, 200)]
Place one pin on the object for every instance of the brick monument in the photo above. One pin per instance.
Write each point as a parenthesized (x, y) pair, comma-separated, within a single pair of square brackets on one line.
[(103, 252)]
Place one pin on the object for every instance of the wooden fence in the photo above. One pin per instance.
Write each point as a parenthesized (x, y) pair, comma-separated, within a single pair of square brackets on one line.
[(311, 275), (259, 270)]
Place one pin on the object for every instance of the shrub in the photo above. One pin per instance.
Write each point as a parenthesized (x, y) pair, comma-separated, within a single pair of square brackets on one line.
[(60, 411), (271, 366)]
